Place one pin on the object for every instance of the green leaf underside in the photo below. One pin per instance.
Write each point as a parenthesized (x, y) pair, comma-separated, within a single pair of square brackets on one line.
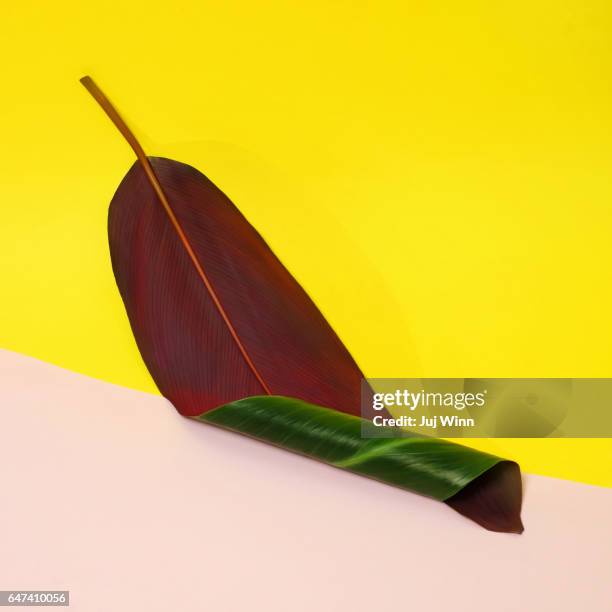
[(429, 466)]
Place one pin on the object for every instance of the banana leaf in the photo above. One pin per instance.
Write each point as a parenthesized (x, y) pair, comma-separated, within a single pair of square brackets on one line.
[(481, 486), (232, 339)]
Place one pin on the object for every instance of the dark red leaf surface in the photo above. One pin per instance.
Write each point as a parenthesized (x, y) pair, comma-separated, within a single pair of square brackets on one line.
[(239, 326)]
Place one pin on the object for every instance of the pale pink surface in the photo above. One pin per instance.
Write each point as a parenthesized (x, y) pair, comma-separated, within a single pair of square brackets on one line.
[(111, 494)]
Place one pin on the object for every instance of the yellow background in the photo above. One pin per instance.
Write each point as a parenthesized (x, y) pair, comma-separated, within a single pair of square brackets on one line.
[(436, 174)]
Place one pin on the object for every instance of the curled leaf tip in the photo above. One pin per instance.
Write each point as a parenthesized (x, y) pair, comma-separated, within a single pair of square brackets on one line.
[(494, 499)]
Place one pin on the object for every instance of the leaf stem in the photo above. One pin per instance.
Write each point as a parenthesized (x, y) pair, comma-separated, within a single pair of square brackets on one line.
[(114, 116)]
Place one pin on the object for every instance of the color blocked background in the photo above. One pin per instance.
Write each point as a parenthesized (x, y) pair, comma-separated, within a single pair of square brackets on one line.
[(436, 175)]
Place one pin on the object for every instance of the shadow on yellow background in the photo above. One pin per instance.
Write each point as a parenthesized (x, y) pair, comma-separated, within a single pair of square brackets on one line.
[(438, 178)]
